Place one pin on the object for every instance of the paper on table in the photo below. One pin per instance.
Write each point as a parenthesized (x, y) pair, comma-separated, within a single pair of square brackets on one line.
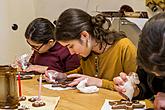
[(51, 103), (107, 106), (49, 86)]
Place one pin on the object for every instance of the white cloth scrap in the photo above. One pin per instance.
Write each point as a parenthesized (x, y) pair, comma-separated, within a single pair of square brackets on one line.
[(86, 89), (129, 89)]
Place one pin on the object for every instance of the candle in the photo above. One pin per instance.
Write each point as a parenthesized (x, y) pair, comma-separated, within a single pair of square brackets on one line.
[(39, 87), (19, 84)]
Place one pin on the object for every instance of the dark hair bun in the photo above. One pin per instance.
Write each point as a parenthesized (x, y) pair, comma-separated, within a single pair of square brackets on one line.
[(99, 21)]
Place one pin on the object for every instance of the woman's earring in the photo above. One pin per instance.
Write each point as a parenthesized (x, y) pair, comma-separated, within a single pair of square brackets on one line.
[(89, 43), (86, 43)]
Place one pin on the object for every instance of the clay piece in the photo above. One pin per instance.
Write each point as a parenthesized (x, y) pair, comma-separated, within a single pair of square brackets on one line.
[(61, 84), (22, 98), (23, 107), (125, 104), (38, 104), (33, 99)]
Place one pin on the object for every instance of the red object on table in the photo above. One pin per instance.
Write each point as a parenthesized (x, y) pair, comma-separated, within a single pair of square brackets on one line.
[(19, 85)]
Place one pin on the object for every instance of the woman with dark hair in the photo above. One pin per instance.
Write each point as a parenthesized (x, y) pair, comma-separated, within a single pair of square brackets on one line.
[(48, 54), (151, 57), (104, 53)]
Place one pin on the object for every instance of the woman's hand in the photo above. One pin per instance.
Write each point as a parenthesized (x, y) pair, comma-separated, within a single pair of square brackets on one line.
[(159, 102), (36, 68), (53, 76), (119, 83), (92, 81)]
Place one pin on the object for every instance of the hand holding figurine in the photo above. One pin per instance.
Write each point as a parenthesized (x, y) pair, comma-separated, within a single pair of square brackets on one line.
[(126, 85), (21, 62)]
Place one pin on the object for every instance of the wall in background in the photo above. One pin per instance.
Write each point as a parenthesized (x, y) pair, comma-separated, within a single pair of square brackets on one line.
[(13, 43), (114, 5), (3, 30), (22, 12), (52, 8)]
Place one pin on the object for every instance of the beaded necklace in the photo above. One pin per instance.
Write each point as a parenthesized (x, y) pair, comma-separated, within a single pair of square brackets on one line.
[(97, 62), (97, 66)]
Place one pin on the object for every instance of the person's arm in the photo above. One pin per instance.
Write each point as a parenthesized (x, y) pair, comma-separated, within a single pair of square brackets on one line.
[(91, 81), (107, 84), (42, 63), (36, 68)]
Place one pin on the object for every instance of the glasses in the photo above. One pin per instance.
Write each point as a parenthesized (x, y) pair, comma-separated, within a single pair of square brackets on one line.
[(36, 48)]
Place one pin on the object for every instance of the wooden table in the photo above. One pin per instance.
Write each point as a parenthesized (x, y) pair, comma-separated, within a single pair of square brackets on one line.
[(71, 99)]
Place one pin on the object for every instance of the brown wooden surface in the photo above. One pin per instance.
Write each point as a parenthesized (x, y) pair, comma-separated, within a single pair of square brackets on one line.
[(72, 99)]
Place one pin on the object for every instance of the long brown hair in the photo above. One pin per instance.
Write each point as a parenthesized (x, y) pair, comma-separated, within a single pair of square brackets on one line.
[(73, 21)]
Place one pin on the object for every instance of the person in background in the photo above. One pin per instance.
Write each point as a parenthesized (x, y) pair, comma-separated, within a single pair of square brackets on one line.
[(126, 8), (151, 61), (48, 53), (104, 53)]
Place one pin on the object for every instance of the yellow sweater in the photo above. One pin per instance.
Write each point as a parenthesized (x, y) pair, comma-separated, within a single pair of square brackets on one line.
[(120, 57)]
